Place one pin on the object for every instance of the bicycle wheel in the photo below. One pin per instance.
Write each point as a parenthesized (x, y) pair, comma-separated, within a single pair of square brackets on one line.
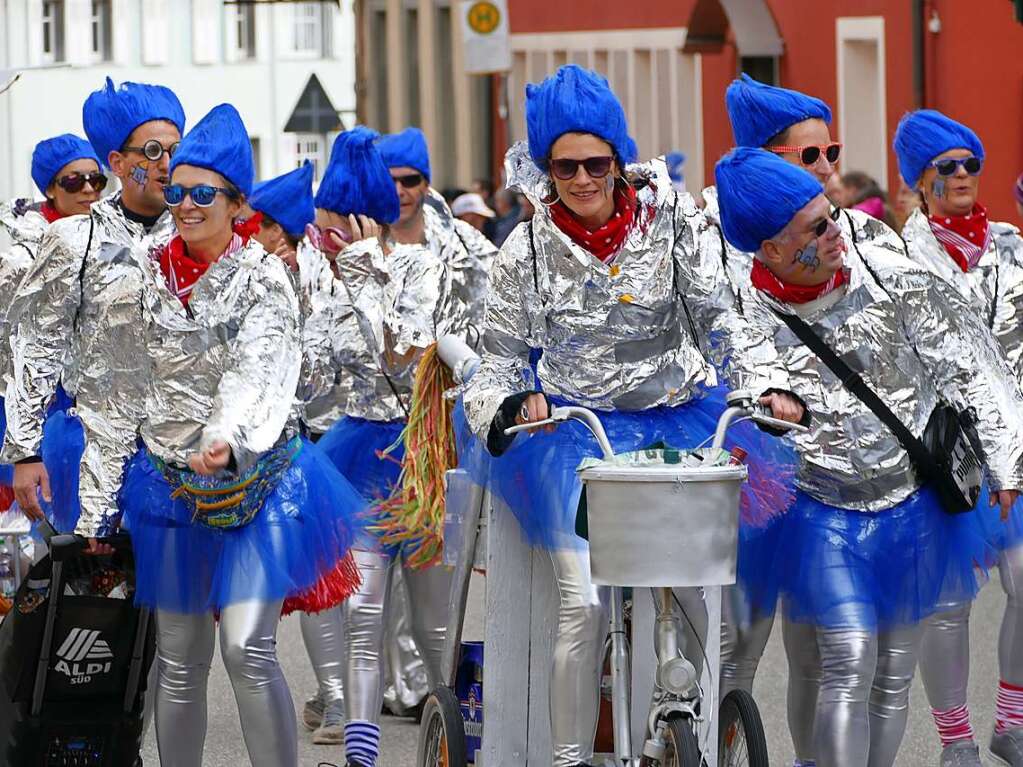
[(682, 749), (741, 739), (442, 731)]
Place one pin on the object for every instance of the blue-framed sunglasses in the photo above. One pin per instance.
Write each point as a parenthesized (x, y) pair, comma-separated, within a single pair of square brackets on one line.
[(949, 166), (202, 195)]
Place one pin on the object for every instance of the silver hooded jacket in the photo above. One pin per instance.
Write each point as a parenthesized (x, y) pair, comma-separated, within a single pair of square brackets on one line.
[(79, 306), (226, 367), (24, 226), (628, 335), (994, 287), (912, 340)]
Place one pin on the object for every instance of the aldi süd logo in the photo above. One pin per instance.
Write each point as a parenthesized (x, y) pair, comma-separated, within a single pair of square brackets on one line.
[(83, 655)]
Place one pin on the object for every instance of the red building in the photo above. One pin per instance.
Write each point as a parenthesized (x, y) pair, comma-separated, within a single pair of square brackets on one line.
[(870, 60)]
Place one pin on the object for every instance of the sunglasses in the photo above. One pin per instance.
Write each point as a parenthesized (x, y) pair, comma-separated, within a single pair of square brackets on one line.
[(596, 167), (822, 226), (153, 149), (950, 166), (75, 182), (411, 181), (809, 155), (202, 195)]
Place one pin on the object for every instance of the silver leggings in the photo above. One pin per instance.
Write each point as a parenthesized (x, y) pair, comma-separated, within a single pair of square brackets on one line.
[(864, 695), (945, 650), (323, 637), (578, 652), (248, 645), (428, 592)]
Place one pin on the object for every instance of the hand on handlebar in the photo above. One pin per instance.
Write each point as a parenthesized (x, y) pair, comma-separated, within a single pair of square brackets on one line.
[(28, 479), (784, 407), (534, 408)]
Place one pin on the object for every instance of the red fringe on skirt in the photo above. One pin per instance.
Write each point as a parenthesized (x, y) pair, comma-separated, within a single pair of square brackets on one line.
[(332, 589)]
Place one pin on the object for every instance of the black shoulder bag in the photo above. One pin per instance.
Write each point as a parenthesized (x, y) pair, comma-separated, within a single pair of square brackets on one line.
[(949, 457)]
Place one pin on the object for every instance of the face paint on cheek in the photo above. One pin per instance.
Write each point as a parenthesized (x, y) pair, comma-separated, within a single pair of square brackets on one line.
[(807, 256), (938, 188), (140, 173)]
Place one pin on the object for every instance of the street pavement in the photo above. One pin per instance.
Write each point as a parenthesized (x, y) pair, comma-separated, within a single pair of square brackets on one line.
[(225, 748)]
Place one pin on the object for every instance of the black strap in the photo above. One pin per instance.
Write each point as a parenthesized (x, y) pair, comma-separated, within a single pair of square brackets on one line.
[(852, 381), (674, 277), (81, 272), (532, 251), (994, 298)]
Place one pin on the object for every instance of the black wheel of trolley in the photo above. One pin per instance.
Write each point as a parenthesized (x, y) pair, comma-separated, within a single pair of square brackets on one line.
[(442, 731), (682, 749), (741, 738)]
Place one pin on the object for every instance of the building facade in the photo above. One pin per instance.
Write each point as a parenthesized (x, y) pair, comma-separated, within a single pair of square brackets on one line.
[(671, 60), (289, 68)]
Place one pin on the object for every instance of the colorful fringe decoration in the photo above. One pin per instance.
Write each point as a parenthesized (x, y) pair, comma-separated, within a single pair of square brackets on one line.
[(332, 589), (413, 517)]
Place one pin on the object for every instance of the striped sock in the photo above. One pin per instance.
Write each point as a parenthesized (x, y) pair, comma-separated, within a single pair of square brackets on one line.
[(1009, 709), (362, 743), (801, 763), (953, 724)]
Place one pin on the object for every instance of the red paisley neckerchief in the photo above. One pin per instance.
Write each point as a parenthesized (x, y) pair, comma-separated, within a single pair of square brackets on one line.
[(965, 238), (181, 271), (50, 213), (606, 241), (764, 279)]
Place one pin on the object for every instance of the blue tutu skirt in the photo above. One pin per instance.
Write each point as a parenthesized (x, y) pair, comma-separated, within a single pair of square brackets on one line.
[(851, 569), (303, 531), (536, 478), (355, 447), (6, 470), (1000, 535)]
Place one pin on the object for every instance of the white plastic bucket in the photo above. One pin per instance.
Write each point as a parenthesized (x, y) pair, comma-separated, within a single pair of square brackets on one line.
[(662, 524)]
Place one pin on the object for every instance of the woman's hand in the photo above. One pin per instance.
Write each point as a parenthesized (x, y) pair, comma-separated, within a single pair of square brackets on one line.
[(28, 478), (1005, 499), (287, 254), (784, 407), (96, 547), (534, 408), (211, 460)]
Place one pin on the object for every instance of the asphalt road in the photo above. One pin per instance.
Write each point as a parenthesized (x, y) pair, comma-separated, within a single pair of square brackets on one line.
[(225, 748)]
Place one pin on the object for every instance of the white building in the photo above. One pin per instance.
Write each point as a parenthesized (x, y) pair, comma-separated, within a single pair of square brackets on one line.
[(289, 68)]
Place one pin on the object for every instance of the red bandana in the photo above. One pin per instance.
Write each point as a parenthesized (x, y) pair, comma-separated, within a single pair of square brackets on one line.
[(181, 271), (965, 237), (247, 229), (50, 213), (606, 241), (764, 279)]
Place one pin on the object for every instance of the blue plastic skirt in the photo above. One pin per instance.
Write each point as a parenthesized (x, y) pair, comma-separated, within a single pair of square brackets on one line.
[(6, 470), (1000, 535), (851, 569), (303, 531), (536, 478), (355, 447)]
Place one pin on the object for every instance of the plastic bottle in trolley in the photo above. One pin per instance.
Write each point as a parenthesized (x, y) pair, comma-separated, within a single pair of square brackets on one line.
[(6, 572), (738, 456)]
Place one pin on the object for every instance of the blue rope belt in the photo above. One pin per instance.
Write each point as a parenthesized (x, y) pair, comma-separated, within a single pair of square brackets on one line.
[(229, 504)]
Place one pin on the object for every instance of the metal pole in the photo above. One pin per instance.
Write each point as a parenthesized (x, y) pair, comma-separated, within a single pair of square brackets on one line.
[(621, 679)]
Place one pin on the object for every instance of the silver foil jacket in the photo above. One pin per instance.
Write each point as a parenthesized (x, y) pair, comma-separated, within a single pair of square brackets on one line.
[(77, 320), (226, 368), (913, 340), (994, 287), (629, 335), (24, 225)]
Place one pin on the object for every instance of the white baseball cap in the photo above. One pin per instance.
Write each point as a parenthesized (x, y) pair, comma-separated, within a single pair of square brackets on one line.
[(471, 203)]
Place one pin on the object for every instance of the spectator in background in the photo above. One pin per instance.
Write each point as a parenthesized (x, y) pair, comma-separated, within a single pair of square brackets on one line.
[(1018, 194), (906, 201), (452, 193), (485, 189), (509, 214), (862, 192), (471, 208)]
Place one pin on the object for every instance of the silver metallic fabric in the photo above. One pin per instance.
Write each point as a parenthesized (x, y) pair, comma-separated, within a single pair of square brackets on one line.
[(227, 367), (911, 337), (323, 636), (864, 695), (248, 645), (406, 682), (364, 626), (24, 226), (614, 336), (737, 264), (804, 661), (78, 307), (945, 656), (1000, 268), (1010, 638), (578, 651), (743, 640)]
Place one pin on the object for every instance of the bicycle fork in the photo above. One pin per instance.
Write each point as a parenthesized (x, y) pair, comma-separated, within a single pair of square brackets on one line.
[(621, 678)]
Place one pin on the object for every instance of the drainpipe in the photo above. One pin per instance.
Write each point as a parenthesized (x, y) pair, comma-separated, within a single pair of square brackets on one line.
[(919, 69)]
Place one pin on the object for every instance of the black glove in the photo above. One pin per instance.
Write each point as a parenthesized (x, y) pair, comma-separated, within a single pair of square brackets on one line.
[(497, 441)]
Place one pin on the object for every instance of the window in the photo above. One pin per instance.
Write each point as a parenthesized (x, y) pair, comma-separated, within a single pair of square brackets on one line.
[(101, 49), (311, 147), (254, 143), (245, 31), (311, 28), (53, 30), (763, 69)]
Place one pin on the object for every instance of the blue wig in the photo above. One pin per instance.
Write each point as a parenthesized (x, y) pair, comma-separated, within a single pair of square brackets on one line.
[(219, 142), (759, 193), (287, 199), (760, 112), (575, 100), (676, 164), (357, 180), (52, 154), (407, 148), (923, 135), (111, 114)]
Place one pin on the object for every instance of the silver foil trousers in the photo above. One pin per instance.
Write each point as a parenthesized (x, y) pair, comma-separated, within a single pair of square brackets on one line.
[(323, 636)]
